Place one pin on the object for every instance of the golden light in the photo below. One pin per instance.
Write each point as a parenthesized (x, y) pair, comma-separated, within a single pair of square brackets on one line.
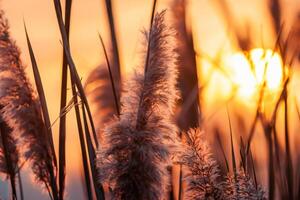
[(244, 73)]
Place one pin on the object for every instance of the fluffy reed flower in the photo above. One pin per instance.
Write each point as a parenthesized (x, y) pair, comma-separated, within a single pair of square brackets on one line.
[(188, 116), (99, 90), (138, 146), (20, 110), (202, 172), (9, 153), (242, 187)]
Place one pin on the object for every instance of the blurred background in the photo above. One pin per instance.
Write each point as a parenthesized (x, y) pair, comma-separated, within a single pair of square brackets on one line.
[(214, 26)]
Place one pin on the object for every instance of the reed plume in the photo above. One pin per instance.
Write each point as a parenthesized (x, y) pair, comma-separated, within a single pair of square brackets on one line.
[(99, 91), (20, 110), (240, 186), (202, 171), (9, 153), (189, 115), (138, 146)]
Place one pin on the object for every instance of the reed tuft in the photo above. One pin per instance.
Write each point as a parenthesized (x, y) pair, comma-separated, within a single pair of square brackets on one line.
[(139, 146), (202, 171), (241, 186), (20, 110)]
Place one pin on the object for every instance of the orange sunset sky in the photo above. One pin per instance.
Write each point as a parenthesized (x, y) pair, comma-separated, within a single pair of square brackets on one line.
[(131, 16)]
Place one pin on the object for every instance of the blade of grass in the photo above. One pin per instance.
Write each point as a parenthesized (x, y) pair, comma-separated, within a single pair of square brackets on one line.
[(232, 145), (242, 154), (289, 165), (253, 168), (116, 57), (278, 153), (20, 185), (82, 142), (110, 77), (49, 139), (150, 31), (40, 90), (63, 101), (271, 180), (72, 66), (92, 156), (65, 110), (222, 149)]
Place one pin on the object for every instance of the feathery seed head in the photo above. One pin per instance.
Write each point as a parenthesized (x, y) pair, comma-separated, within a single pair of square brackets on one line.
[(20, 110), (139, 146), (202, 171), (241, 186)]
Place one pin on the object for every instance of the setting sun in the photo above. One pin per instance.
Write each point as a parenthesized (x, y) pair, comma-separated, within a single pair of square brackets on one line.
[(248, 71), (243, 74)]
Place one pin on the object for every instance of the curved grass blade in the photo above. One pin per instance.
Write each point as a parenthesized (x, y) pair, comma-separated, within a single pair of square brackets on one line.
[(111, 77), (40, 90), (48, 136), (116, 67)]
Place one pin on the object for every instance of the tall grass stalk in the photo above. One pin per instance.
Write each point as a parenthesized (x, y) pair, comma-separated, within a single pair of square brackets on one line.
[(82, 143), (63, 103), (21, 190), (41, 149), (40, 90), (72, 66), (112, 81), (115, 67), (92, 157)]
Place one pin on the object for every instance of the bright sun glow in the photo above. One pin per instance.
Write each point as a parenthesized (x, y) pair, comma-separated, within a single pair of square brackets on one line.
[(242, 74), (247, 71)]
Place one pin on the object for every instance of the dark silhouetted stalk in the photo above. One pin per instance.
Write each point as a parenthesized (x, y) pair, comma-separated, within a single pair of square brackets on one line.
[(231, 143), (45, 137), (110, 77), (72, 66), (63, 103), (40, 90), (115, 67), (253, 168), (150, 30), (82, 143), (289, 165), (222, 150), (20, 185), (271, 175), (92, 157)]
